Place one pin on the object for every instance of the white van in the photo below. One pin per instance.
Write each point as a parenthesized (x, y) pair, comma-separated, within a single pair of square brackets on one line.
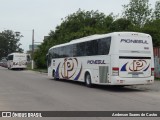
[(17, 60)]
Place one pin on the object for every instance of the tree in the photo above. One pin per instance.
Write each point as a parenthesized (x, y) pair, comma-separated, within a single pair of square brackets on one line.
[(9, 42), (157, 10), (84, 23), (76, 25), (152, 28), (138, 12), (121, 24)]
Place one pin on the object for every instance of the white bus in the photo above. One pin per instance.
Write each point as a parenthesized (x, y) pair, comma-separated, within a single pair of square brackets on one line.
[(17, 60), (119, 58)]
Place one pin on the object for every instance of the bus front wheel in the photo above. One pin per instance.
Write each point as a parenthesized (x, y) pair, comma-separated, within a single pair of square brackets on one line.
[(88, 80), (54, 75)]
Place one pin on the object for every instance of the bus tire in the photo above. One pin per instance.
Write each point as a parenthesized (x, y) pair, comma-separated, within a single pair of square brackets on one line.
[(88, 80), (9, 68), (54, 75)]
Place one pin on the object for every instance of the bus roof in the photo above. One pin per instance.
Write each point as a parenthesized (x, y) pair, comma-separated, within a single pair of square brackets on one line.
[(99, 36), (16, 53)]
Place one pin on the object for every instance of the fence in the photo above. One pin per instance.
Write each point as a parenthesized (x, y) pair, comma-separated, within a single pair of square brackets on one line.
[(157, 61)]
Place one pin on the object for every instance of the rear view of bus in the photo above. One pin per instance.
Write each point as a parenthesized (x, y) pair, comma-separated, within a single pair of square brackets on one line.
[(132, 59), (17, 60)]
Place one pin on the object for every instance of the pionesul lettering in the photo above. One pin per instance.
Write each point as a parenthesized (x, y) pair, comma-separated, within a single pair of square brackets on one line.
[(96, 62), (134, 41)]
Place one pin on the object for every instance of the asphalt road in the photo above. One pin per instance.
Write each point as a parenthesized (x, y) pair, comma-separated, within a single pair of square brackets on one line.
[(32, 91)]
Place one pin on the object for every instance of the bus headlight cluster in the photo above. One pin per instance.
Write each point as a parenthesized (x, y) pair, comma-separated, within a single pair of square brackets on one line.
[(152, 71), (115, 71)]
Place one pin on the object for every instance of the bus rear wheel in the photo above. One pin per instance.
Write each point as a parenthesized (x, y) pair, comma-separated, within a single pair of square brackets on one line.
[(88, 80)]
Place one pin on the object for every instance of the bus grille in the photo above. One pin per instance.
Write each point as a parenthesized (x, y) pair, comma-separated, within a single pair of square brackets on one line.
[(103, 74)]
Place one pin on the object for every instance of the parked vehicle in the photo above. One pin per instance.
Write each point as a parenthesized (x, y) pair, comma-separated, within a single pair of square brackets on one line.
[(17, 60), (119, 58)]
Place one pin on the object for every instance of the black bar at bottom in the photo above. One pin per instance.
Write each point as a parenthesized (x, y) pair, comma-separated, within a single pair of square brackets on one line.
[(79, 113)]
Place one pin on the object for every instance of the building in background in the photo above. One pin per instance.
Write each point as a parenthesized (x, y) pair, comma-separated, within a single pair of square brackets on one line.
[(35, 47), (30, 48)]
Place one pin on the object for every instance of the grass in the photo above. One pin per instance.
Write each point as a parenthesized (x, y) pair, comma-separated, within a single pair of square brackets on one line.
[(40, 70), (36, 69)]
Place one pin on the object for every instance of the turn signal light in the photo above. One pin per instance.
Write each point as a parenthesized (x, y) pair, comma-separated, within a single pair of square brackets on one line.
[(152, 71), (115, 71)]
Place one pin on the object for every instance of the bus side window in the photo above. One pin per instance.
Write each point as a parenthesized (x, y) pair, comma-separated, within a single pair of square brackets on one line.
[(53, 53), (104, 46), (69, 51), (56, 52), (94, 47), (80, 49), (61, 52), (91, 48), (74, 50)]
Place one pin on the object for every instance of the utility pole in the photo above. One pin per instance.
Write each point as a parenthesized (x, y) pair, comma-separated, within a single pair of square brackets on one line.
[(32, 48)]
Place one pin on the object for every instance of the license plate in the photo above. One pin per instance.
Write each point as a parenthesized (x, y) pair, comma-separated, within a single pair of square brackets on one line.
[(135, 75)]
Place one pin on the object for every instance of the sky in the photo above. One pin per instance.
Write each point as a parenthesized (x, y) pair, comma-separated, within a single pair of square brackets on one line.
[(44, 15)]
